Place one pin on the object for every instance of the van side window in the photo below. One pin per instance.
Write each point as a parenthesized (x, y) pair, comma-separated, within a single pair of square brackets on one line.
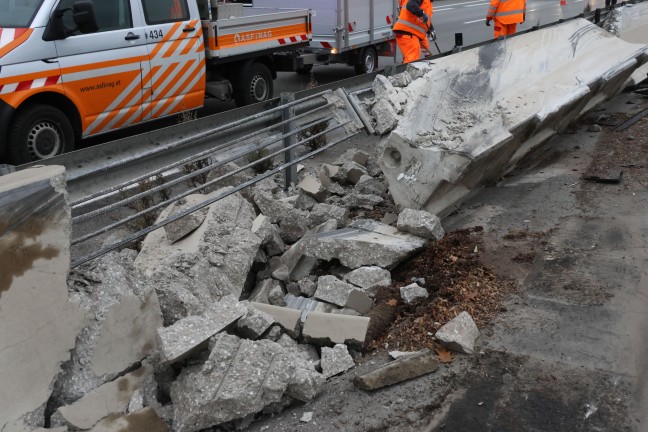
[(111, 15), (165, 11)]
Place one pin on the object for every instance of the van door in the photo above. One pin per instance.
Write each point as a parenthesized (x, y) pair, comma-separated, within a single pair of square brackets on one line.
[(102, 72), (177, 56)]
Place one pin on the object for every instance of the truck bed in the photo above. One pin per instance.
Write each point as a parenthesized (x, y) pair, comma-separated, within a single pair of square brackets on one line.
[(257, 30)]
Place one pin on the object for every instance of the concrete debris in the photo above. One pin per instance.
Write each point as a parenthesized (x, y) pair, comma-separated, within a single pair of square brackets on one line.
[(413, 293), (384, 90), (143, 420), (363, 201), (418, 69), (180, 228), (279, 270), (313, 187), (369, 279), (305, 202), (136, 402), (336, 360), (293, 288), (191, 334), (108, 399), (363, 243), (326, 329), (307, 417), (307, 305), (261, 293), (254, 324), (125, 316), (233, 180), (323, 212), (332, 290), (389, 218), (274, 333), (459, 334), (355, 155), (307, 287), (402, 79), (276, 209), (262, 227), (218, 391), (294, 226), (368, 185), (299, 265), (326, 172), (385, 116), (402, 369), (349, 173), (420, 223), (308, 352), (276, 295), (217, 255), (395, 355), (288, 319)]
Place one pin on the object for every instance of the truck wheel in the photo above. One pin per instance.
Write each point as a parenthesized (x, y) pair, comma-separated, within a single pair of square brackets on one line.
[(255, 86), (39, 132), (304, 69), (368, 61)]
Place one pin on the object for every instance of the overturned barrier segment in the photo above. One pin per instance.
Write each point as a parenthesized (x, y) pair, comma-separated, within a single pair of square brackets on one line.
[(468, 117), (630, 23)]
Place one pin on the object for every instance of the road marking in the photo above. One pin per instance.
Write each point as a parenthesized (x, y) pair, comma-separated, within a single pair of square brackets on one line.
[(483, 4), (470, 22), (442, 10)]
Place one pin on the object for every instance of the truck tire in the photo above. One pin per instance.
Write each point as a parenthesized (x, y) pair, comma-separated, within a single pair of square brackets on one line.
[(39, 132), (255, 85), (304, 70), (368, 61)]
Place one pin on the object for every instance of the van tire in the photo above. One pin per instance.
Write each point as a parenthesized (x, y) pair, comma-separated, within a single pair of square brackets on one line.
[(255, 85), (368, 61), (38, 132)]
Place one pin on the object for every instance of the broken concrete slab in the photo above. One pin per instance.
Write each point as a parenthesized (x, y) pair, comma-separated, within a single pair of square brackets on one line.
[(402, 369), (293, 226), (220, 251), (313, 187), (301, 266), (363, 243), (355, 155), (288, 319), (122, 331), (262, 227), (254, 323), (459, 334), (327, 329), (279, 270), (261, 293), (402, 79), (413, 293), (356, 200), (323, 212), (142, 420), (384, 90), (336, 360), (385, 116), (349, 173), (276, 209), (232, 180), (420, 223), (39, 323), (369, 279), (191, 334), (368, 185), (108, 399), (332, 290), (239, 378), (180, 228)]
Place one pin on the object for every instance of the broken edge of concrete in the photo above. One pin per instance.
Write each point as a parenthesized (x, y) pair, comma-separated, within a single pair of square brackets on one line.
[(408, 367)]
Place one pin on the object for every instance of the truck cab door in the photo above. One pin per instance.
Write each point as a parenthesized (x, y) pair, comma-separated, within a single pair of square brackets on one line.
[(176, 51), (102, 72)]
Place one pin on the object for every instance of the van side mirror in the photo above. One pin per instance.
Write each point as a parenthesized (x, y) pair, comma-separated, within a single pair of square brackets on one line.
[(83, 15)]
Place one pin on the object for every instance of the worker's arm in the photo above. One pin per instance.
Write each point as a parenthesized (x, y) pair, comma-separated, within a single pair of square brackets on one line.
[(494, 4), (414, 6)]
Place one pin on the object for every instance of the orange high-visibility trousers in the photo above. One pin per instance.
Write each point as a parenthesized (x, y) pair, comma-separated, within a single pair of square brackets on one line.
[(410, 46), (504, 29)]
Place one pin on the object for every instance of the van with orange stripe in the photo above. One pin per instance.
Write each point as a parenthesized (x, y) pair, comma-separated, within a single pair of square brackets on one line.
[(70, 69)]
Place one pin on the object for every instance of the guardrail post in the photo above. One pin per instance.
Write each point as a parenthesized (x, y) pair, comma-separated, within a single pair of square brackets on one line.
[(290, 173)]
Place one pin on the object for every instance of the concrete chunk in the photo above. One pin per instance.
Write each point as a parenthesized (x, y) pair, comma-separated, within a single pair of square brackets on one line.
[(191, 334), (240, 378), (336, 360), (187, 224), (254, 324), (355, 155), (142, 420), (327, 329), (324, 212), (356, 200), (368, 185), (288, 319), (402, 369), (413, 293), (364, 243), (300, 266), (385, 115), (459, 334), (349, 173), (332, 290), (420, 223), (369, 279), (313, 187)]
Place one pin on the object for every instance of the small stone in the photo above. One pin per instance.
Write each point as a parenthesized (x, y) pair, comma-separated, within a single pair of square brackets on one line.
[(369, 279), (369, 185), (336, 360), (459, 334), (306, 417), (420, 223), (413, 293), (307, 287), (313, 187)]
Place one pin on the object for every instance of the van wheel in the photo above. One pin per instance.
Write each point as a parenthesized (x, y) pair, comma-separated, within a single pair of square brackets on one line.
[(255, 86), (368, 61), (39, 132)]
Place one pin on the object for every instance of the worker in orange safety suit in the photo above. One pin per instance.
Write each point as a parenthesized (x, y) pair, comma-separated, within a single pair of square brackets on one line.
[(507, 14), (412, 28)]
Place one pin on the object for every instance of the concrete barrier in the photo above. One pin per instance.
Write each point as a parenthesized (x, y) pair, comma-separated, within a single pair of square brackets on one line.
[(630, 23), (38, 323), (472, 115)]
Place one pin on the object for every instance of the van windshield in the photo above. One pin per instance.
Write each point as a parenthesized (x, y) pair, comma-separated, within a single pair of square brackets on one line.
[(18, 13)]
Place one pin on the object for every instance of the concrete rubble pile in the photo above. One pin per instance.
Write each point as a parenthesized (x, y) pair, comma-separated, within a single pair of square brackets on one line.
[(238, 310), (453, 123)]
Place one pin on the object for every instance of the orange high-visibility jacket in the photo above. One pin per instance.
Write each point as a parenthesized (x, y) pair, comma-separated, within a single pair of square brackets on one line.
[(408, 22), (507, 11)]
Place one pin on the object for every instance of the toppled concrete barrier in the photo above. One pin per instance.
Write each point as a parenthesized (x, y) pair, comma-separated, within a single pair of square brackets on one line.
[(474, 114), (630, 23), (239, 378), (363, 243), (38, 322), (402, 369), (211, 262)]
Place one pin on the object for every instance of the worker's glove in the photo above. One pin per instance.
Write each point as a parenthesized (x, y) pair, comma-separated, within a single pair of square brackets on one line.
[(488, 20), (431, 33), (425, 18)]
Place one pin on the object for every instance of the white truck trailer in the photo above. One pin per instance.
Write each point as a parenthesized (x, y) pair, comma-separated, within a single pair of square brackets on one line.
[(354, 32), (70, 69)]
